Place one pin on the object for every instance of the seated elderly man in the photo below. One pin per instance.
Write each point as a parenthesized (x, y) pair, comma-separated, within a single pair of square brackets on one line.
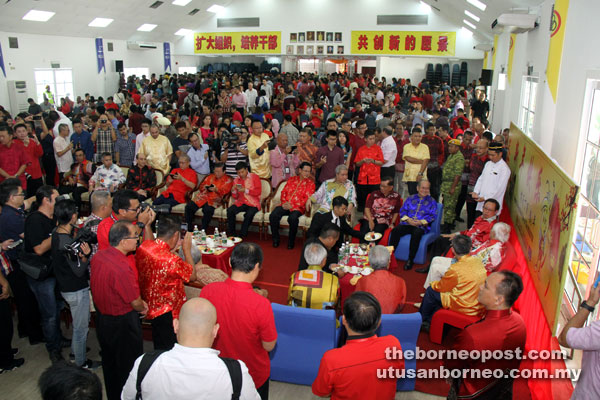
[(381, 209), (180, 181), (208, 197), (334, 187), (141, 177), (416, 216), (107, 176), (479, 232), (459, 287), (311, 287), (491, 253), (389, 289)]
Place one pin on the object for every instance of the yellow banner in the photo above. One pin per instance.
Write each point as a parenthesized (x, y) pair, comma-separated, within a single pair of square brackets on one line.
[(403, 43), (557, 36), (511, 54), (237, 43), (542, 201), (485, 60), (494, 51)]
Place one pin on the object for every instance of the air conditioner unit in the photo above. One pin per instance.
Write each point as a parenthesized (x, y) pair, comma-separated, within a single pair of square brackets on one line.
[(484, 46), (516, 23), (140, 46)]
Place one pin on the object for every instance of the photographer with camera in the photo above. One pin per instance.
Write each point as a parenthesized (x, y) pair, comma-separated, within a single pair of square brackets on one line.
[(70, 260), (235, 150), (127, 207)]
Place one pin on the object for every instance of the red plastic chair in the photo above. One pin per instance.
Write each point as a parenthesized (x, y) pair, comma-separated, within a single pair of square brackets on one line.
[(447, 317)]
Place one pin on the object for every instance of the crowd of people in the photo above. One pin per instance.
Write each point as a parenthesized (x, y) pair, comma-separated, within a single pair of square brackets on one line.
[(383, 155)]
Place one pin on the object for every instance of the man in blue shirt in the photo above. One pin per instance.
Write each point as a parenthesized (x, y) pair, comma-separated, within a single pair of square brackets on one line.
[(416, 216), (82, 140)]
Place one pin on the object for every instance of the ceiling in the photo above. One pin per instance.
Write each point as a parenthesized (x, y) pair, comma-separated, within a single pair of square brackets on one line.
[(454, 11), (73, 16)]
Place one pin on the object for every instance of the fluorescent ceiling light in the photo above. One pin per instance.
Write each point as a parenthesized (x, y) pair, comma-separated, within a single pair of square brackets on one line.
[(215, 8), (40, 16), (425, 7), (181, 2), (101, 22), (184, 32), (466, 31), (469, 24), (146, 27), (477, 4), (471, 15)]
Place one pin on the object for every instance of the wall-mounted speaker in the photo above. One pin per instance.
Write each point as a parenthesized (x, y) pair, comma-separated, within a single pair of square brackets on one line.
[(486, 77), (119, 66)]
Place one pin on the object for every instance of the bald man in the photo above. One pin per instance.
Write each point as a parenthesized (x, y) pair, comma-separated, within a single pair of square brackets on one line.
[(176, 373)]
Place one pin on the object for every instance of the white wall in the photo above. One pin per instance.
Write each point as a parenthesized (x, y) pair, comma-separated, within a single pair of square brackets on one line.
[(414, 68)]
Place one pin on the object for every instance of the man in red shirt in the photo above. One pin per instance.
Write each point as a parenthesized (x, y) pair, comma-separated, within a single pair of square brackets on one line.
[(209, 196), (246, 192), (246, 319), (118, 307), (162, 274), (34, 152), (110, 104), (180, 181), (369, 159), (294, 196), (357, 140), (13, 160), (352, 371)]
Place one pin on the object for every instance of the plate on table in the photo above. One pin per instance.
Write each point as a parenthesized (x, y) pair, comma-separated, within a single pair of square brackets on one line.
[(354, 270), (207, 251), (234, 239), (373, 236), (367, 271)]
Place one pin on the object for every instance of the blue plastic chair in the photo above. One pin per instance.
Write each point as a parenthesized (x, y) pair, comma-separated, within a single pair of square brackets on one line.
[(303, 336), (401, 252), (405, 327)]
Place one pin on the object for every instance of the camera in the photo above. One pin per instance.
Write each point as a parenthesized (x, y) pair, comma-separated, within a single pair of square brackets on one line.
[(160, 209), (84, 235)]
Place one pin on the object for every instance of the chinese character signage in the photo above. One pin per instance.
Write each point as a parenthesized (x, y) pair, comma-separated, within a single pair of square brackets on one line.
[(403, 43), (167, 55), (237, 43)]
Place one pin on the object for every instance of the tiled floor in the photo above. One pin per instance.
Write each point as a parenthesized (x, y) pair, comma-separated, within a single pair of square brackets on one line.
[(22, 383)]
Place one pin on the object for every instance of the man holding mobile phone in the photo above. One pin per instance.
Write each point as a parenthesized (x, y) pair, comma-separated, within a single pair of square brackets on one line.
[(246, 193), (210, 196)]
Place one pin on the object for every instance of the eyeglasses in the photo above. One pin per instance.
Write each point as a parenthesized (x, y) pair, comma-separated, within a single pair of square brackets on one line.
[(134, 209)]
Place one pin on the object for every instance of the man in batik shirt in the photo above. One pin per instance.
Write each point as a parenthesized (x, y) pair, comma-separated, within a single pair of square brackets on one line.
[(416, 216), (450, 189), (334, 187), (246, 192), (294, 196), (305, 149), (208, 197), (381, 209), (108, 176), (162, 275), (258, 151)]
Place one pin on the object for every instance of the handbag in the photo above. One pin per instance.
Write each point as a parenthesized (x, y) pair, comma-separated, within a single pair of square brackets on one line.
[(34, 266)]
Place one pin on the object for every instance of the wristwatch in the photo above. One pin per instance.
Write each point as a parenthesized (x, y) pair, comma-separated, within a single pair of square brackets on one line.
[(586, 306), (141, 225)]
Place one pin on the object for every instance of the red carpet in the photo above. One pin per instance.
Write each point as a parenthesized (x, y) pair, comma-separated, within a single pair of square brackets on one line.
[(280, 263)]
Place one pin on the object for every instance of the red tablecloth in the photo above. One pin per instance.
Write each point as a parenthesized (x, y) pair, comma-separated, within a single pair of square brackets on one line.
[(346, 288), (220, 261)]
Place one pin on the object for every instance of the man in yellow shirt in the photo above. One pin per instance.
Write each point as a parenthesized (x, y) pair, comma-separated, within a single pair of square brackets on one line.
[(158, 150), (459, 287), (416, 156), (313, 288), (258, 151)]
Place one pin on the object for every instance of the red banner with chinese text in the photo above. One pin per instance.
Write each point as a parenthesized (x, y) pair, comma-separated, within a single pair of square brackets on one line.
[(237, 43), (403, 43)]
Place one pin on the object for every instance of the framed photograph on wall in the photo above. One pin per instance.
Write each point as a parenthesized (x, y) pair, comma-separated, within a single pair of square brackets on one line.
[(340, 50), (289, 50), (338, 36), (301, 37), (310, 36), (329, 49), (320, 36), (310, 50), (320, 50), (300, 49), (329, 37), (293, 37)]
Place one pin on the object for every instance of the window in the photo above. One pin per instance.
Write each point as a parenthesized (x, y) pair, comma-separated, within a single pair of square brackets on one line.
[(188, 70), (527, 109), (585, 246), (139, 72), (310, 66), (60, 81)]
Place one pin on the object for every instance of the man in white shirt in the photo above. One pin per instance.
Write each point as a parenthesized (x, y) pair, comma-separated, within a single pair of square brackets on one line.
[(63, 119), (390, 151), (176, 373), (62, 150), (492, 182), (143, 135), (251, 95)]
